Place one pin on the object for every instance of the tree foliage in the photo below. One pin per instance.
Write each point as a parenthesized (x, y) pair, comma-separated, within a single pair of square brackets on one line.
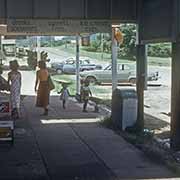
[(128, 48), (32, 59), (159, 50)]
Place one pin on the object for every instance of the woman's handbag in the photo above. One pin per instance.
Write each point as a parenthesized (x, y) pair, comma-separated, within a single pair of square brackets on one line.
[(4, 85), (50, 83)]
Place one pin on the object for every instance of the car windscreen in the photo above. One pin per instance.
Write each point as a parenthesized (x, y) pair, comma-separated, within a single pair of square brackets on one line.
[(108, 67)]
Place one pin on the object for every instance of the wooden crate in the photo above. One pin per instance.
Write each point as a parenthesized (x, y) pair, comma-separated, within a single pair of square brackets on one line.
[(7, 130), (6, 122)]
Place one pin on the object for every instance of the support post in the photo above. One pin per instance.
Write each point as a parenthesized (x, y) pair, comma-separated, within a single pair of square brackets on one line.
[(38, 48), (51, 41), (77, 66), (1, 44), (146, 69), (102, 46), (175, 97), (114, 61), (1, 51), (30, 44), (140, 84)]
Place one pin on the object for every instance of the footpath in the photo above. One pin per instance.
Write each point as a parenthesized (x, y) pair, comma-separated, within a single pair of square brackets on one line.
[(71, 145)]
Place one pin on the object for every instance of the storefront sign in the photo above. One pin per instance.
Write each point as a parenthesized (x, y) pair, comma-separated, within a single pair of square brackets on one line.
[(29, 26)]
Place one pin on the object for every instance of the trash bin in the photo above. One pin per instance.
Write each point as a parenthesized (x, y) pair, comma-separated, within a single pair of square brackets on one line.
[(124, 108)]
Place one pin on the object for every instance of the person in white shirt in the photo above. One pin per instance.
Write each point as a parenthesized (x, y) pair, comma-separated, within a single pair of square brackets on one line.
[(64, 95)]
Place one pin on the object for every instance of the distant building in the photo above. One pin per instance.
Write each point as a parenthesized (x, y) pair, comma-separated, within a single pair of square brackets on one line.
[(8, 46), (85, 41), (93, 37), (47, 38)]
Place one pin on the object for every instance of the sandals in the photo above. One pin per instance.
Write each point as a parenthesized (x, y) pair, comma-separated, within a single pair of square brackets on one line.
[(45, 112), (15, 114)]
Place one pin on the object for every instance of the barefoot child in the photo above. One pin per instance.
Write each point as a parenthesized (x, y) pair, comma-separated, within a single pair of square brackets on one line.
[(64, 95)]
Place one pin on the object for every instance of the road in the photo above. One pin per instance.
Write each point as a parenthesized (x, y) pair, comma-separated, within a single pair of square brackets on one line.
[(157, 99), (58, 55)]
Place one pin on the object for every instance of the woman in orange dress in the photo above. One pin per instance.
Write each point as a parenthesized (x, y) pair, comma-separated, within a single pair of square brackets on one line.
[(42, 84)]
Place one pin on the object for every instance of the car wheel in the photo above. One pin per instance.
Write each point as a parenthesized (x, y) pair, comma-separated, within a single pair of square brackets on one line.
[(59, 71), (132, 80), (92, 80)]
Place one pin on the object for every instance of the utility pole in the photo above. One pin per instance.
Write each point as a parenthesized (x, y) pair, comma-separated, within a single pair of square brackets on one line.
[(102, 46), (38, 48), (77, 66), (114, 60), (1, 51)]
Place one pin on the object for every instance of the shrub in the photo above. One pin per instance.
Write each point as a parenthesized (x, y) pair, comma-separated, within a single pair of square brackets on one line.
[(128, 49), (32, 59), (159, 50)]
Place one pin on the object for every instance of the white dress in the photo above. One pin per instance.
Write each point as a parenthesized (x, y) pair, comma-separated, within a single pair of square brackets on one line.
[(15, 89), (64, 94)]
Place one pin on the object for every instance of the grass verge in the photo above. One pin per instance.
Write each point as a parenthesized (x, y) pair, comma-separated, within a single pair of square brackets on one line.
[(155, 61)]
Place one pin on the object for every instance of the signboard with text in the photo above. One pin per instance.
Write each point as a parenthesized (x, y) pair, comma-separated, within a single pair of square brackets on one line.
[(29, 26)]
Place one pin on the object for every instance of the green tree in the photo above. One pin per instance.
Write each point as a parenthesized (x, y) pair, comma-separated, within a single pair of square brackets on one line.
[(44, 56), (127, 49), (32, 59)]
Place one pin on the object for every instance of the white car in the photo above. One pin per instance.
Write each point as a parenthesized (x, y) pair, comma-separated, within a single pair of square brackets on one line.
[(125, 73), (69, 66)]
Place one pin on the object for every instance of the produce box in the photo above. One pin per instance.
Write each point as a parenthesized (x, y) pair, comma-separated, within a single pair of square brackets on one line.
[(6, 122), (4, 107), (6, 130)]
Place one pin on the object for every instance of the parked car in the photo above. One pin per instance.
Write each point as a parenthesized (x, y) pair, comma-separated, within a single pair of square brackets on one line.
[(69, 66), (21, 52), (125, 73)]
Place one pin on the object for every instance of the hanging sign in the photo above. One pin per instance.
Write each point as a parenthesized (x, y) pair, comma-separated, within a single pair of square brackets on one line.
[(42, 26), (118, 36)]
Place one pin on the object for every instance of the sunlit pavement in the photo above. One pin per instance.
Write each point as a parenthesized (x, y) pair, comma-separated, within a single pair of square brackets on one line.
[(68, 145)]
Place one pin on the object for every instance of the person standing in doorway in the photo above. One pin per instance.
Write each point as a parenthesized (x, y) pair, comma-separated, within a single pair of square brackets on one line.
[(14, 80), (43, 88)]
